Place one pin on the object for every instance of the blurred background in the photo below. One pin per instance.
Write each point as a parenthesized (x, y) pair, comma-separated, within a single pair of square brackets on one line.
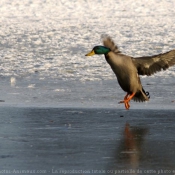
[(43, 43)]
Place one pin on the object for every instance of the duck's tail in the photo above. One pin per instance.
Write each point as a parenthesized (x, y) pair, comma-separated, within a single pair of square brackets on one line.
[(141, 96)]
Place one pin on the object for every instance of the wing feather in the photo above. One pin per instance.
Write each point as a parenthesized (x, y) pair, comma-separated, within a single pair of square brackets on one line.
[(109, 43), (149, 65)]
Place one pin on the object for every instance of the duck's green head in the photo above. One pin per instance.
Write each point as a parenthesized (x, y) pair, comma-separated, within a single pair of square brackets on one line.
[(98, 50)]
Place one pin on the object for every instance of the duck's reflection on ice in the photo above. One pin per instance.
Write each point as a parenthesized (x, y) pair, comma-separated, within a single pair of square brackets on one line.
[(130, 148), (129, 151), (138, 153)]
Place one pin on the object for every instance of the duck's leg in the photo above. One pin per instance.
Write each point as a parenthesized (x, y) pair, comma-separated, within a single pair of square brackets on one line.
[(127, 99), (126, 96), (124, 101)]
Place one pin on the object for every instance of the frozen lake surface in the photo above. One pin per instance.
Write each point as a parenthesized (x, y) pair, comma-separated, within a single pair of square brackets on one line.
[(59, 109), (56, 93), (105, 141)]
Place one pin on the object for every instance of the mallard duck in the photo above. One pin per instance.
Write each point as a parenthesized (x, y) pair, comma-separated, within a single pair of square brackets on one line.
[(127, 69)]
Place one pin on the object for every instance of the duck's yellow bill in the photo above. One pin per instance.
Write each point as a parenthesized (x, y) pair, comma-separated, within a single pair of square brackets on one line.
[(90, 53)]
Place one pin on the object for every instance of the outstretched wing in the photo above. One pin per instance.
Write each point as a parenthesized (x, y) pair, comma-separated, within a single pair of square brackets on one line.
[(109, 43), (151, 64)]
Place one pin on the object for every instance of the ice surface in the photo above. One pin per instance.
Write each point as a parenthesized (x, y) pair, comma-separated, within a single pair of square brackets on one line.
[(50, 38), (86, 139)]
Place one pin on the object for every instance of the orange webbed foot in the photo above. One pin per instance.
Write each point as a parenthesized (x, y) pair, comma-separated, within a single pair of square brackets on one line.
[(127, 105), (127, 99)]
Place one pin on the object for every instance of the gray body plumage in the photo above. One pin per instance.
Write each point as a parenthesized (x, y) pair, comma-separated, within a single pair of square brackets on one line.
[(122, 70), (127, 75), (127, 69)]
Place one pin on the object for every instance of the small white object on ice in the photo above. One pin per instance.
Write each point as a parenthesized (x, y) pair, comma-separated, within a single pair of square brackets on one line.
[(13, 81), (31, 86)]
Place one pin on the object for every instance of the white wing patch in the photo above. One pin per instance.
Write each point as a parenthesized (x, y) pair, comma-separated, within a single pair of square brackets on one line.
[(146, 65)]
